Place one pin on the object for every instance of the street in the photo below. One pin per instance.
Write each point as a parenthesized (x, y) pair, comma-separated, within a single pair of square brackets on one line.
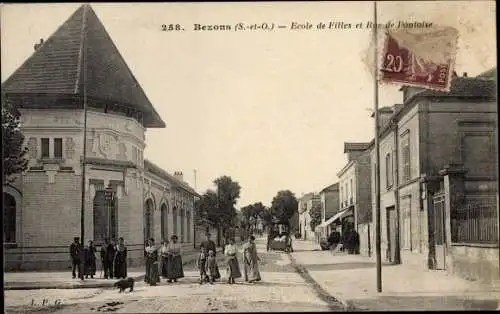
[(282, 289)]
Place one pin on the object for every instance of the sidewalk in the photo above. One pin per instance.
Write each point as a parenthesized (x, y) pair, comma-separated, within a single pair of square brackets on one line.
[(351, 279), (62, 280)]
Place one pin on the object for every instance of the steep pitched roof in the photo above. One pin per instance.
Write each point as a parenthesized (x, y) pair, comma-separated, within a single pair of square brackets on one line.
[(490, 74), (82, 46)]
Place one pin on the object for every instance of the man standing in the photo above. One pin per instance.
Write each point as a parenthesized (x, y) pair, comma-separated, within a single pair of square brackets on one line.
[(209, 245), (76, 252), (107, 256)]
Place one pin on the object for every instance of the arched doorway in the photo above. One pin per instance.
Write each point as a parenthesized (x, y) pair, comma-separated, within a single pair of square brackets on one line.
[(148, 220), (164, 221), (9, 218), (105, 218), (174, 219)]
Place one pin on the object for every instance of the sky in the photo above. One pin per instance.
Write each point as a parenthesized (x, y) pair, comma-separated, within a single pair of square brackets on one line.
[(270, 109)]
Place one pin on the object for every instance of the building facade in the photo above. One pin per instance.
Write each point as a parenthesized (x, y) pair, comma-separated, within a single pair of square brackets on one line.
[(355, 195), (330, 204), (306, 203), (125, 195), (441, 211)]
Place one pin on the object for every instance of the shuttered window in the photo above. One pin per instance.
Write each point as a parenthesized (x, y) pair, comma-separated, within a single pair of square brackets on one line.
[(406, 157), (45, 148), (58, 148)]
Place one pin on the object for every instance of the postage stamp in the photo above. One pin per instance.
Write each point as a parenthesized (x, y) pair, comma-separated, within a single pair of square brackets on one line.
[(420, 57)]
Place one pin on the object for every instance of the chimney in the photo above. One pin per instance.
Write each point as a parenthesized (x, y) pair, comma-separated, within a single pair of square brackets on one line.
[(179, 176), (39, 44), (384, 114), (454, 74), (465, 74)]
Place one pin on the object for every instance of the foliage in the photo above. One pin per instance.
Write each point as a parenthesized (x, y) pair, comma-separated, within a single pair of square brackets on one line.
[(254, 211), (13, 152), (216, 208), (284, 205), (315, 213)]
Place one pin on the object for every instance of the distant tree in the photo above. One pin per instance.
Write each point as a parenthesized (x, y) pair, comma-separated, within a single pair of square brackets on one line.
[(315, 213), (13, 152), (284, 205), (205, 209)]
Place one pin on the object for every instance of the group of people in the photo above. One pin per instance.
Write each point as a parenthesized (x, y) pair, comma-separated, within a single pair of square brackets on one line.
[(84, 259), (166, 259), (209, 270)]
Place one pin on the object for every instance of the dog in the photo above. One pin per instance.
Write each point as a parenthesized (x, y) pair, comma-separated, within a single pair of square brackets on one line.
[(124, 284)]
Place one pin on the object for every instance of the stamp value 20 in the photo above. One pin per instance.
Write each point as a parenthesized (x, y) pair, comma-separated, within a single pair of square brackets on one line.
[(420, 57)]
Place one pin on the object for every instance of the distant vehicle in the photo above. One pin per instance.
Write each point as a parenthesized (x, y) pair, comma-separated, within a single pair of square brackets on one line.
[(279, 238)]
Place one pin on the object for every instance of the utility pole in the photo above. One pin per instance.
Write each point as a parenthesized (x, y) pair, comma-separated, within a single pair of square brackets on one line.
[(84, 159), (377, 154)]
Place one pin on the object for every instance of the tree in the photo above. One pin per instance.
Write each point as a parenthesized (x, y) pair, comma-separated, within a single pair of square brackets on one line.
[(315, 213), (205, 209), (284, 205), (228, 193), (13, 152)]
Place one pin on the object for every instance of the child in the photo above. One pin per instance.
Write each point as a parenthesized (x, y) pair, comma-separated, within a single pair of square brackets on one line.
[(211, 266), (202, 264)]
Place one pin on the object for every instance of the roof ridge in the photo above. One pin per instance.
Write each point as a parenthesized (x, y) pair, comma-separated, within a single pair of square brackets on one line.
[(83, 34)]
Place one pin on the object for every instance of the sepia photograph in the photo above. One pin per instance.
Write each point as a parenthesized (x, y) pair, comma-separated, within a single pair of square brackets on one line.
[(259, 156)]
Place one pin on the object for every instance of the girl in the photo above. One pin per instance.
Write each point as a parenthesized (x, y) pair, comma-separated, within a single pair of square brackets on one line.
[(202, 264), (211, 266), (164, 259)]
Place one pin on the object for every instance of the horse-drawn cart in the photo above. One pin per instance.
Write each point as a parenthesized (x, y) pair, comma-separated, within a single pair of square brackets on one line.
[(279, 238)]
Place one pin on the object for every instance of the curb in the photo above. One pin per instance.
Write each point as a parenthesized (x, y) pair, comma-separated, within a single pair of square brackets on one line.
[(302, 271), (36, 286)]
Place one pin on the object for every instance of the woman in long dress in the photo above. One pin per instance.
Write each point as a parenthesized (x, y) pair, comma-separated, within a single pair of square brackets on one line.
[(164, 259), (233, 268), (174, 263), (250, 261), (120, 260), (152, 275), (90, 260)]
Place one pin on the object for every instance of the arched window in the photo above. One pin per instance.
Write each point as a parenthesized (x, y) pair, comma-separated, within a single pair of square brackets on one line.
[(164, 221), (174, 219), (183, 215), (9, 218), (148, 220), (188, 222)]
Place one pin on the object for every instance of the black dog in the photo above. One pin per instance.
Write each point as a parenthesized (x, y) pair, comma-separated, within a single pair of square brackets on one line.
[(124, 284)]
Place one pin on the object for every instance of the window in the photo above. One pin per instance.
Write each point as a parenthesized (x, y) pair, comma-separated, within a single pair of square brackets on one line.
[(58, 148), (45, 148), (134, 154), (341, 195), (405, 153), (479, 153), (388, 171), (406, 211)]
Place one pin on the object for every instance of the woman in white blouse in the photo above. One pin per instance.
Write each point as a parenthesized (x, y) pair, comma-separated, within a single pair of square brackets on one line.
[(233, 267), (174, 260)]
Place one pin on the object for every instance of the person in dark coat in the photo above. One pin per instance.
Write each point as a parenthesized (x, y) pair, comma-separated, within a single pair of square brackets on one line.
[(107, 255), (76, 253), (120, 260), (164, 259), (209, 245), (90, 260), (152, 276)]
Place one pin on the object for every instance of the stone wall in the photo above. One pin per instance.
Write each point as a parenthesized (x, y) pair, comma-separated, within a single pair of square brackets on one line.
[(477, 263)]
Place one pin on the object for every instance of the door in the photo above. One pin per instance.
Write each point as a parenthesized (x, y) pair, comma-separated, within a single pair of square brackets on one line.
[(439, 231), (392, 220)]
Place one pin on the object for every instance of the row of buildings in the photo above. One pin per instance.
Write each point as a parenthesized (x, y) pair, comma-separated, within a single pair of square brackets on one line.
[(438, 182), (126, 195)]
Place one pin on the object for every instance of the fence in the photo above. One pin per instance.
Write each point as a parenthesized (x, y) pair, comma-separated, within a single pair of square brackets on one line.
[(476, 221)]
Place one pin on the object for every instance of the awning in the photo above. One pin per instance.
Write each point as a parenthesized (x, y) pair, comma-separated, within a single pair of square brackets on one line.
[(337, 216)]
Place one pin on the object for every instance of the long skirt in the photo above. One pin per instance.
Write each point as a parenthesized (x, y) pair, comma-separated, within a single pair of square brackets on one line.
[(148, 270), (164, 265), (233, 268), (154, 276), (90, 267), (251, 271), (120, 267), (174, 267)]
